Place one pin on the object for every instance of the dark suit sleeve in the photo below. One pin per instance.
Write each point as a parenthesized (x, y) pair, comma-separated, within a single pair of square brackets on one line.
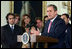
[(20, 31), (3, 39), (44, 33), (68, 38), (60, 29)]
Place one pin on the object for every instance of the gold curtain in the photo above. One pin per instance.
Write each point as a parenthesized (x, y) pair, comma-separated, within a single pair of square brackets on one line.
[(44, 9), (69, 7), (11, 6)]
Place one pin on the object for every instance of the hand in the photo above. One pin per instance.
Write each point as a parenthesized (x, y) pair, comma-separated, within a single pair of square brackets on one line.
[(32, 31), (36, 32), (27, 30)]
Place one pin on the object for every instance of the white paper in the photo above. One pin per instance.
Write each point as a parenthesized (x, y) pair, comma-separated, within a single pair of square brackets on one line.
[(19, 38)]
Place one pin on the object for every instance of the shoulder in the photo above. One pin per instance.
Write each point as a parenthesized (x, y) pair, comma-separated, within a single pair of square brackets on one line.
[(4, 29), (17, 26), (59, 20), (5, 26), (48, 21), (69, 26)]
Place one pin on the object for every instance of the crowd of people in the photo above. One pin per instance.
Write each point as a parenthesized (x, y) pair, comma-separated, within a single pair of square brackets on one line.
[(54, 25)]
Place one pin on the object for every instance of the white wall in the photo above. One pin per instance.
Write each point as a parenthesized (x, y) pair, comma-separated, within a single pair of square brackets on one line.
[(59, 5), (5, 9)]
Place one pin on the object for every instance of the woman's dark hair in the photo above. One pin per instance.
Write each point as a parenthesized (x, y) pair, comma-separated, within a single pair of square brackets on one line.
[(27, 15), (23, 23)]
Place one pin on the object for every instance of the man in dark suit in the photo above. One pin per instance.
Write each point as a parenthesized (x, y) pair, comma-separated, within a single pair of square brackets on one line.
[(65, 17), (55, 27), (9, 33)]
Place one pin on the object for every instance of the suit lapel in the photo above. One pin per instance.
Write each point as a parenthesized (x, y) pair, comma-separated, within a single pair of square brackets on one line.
[(55, 21), (9, 28), (53, 24), (9, 31), (16, 31)]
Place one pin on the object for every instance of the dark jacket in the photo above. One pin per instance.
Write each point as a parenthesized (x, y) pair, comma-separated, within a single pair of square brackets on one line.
[(68, 36), (57, 31), (9, 38)]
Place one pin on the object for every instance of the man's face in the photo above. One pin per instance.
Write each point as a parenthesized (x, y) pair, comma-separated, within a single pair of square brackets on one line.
[(65, 19), (11, 19), (16, 20), (39, 23), (51, 13)]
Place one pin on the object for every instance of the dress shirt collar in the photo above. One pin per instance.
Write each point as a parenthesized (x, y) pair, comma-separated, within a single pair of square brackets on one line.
[(11, 25), (53, 18)]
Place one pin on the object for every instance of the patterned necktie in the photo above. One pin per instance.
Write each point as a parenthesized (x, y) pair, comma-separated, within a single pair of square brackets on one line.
[(49, 26)]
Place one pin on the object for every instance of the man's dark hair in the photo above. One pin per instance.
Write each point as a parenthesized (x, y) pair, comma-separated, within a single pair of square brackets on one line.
[(45, 16), (67, 15), (38, 18), (8, 15), (55, 7), (17, 15)]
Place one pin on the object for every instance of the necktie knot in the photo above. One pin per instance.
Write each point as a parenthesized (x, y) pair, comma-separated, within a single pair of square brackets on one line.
[(12, 28), (50, 22)]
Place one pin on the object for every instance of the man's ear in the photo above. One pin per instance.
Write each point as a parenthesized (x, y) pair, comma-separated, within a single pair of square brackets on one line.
[(68, 20), (55, 12)]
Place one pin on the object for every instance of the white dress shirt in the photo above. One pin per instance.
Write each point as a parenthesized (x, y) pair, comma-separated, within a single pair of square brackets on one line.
[(53, 18), (11, 26)]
